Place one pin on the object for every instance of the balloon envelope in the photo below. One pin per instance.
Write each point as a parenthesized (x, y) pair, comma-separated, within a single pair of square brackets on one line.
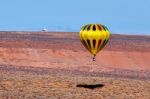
[(94, 37)]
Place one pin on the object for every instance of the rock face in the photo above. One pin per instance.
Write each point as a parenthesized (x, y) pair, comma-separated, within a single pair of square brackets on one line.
[(64, 50)]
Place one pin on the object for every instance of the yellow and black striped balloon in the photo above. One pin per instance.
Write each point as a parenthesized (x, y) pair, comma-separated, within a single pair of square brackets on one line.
[(94, 37)]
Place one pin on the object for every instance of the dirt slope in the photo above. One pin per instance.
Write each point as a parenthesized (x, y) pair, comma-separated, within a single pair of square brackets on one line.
[(64, 50)]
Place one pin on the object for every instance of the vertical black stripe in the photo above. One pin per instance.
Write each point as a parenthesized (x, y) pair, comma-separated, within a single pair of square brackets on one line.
[(94, 27), (88, 28), (94, 43), (99, 27), (85, 27), (104, 43), (88, 41), (104, 28), (85, 44), (99, 43)]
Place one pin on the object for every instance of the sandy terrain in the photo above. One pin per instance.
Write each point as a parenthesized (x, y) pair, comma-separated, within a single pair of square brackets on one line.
[(51, 65), (37, 83)]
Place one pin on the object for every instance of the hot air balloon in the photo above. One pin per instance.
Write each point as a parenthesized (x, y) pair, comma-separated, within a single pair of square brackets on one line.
[(94, 37)]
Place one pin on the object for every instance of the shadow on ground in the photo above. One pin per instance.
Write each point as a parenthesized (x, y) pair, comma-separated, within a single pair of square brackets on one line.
[(90, 86)]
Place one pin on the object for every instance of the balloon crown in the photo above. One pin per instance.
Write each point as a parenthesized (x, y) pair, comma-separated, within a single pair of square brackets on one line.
[(94, 27)]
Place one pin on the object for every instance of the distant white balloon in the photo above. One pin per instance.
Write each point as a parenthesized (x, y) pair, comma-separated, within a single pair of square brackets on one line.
[(44, 29)]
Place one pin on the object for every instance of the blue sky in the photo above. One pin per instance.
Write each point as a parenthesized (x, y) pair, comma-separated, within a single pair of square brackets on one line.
[(120, 16)]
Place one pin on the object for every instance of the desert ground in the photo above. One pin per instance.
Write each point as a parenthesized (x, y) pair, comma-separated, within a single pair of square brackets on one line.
[(55, 65)]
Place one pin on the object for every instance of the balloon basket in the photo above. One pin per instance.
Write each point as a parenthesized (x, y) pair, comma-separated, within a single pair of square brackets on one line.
[(93, 65)]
